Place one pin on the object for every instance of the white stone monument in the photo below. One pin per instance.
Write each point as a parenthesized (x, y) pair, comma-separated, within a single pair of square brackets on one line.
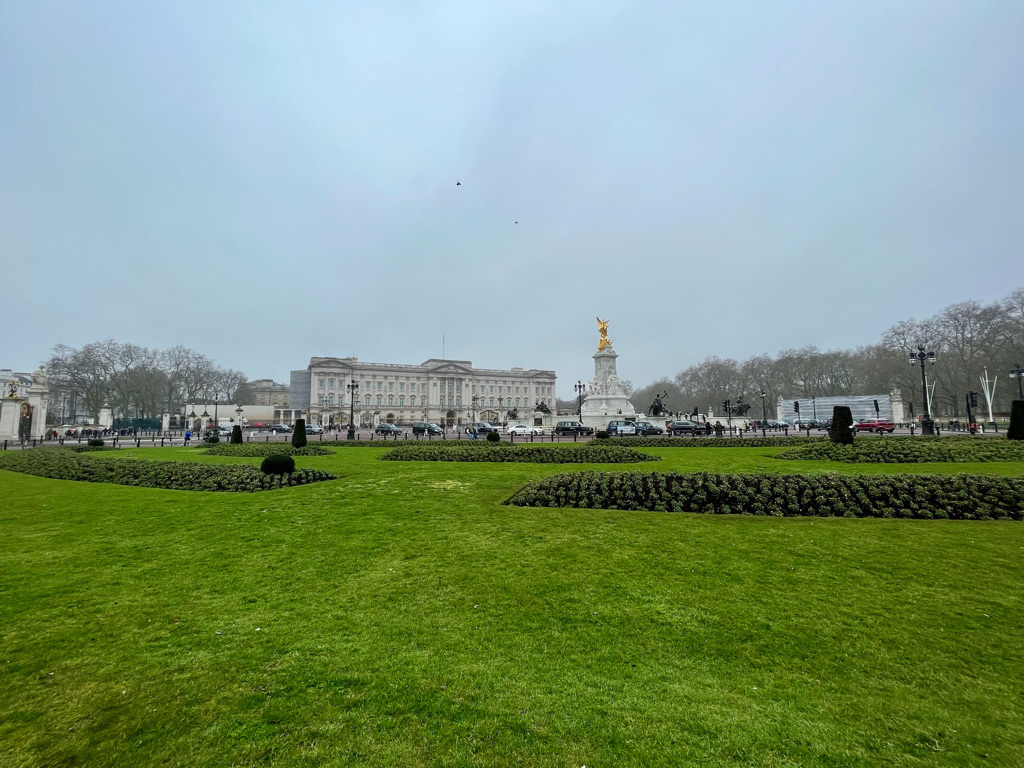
[(606, 396)]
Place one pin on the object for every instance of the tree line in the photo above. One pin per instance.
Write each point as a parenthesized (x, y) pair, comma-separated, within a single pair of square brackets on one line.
[(966, 338), (137, 382)]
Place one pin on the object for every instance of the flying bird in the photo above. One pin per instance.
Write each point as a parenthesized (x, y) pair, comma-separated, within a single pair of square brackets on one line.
[(458, 183), (517, 222)]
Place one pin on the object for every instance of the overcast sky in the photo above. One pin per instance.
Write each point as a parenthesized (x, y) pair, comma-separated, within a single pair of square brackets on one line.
[(265, 182)]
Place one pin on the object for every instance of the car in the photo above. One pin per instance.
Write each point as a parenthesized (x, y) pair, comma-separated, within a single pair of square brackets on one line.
[(874, 425), (480, 427), (807, 424), (314, 429), (683, 427), (572, 428), (524, 429), (645, 428), (275, 428), (385, 428), (224, 430), (426, 428), (620, 427)]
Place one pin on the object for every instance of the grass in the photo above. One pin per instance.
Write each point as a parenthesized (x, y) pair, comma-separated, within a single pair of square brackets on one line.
[(403, 616)]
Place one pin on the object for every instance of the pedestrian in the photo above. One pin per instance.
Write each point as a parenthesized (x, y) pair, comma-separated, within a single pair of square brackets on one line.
[(188, 437)]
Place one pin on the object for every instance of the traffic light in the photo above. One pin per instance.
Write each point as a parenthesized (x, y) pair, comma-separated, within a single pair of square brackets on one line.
[(725, 405), (796, 406), (974, 399)]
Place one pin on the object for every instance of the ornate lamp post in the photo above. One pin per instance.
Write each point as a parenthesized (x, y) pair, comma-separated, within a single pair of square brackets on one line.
[(764, 409), (353, 392), (192, 417), (1018, 373), (927, 425), (581, 392)]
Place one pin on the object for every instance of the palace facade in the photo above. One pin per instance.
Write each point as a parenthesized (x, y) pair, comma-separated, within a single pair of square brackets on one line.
[(446, 392)]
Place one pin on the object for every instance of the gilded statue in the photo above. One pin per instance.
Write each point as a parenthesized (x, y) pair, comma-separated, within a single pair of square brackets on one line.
[(604, 342)]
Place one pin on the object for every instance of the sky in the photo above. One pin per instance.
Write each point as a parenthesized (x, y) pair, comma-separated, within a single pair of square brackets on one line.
[(265, 182)]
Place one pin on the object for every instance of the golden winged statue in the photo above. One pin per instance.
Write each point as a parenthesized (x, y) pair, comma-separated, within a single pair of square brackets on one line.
[(604, 342)]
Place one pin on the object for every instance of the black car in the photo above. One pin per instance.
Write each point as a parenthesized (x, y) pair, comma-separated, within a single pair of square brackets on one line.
[(426, 428), (683, 427), (645, 428), (480, 427), (384, 428), (572, 428)]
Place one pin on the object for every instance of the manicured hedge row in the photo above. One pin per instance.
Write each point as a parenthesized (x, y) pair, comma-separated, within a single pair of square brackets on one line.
[(910, 450), (63, 464), (712, 442), (957, 497), (265, 449), (581, 453)]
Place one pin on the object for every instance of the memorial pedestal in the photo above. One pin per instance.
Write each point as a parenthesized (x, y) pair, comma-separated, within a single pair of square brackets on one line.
[(606, 399)]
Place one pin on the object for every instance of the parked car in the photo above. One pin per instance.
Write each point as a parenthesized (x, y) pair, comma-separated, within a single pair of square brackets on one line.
[(224, 431), (683, 427), (525, 429), (275, 428), (384, 428), (426, 428), (572, 428), (874, 425), (645, 428), (807, 424), (480, 427), (620, 427), (314, 429)]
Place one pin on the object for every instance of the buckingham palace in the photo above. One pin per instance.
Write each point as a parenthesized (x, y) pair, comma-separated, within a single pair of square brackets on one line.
[(446, 392)]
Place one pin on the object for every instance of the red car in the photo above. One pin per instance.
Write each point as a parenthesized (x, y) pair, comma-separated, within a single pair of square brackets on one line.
[(874, 425)]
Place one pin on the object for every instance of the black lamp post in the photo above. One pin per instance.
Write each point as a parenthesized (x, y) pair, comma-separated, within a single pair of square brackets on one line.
[(581, 392), (764, 409), (353, 393), (1018, 373), (927, 425), (814, 407)]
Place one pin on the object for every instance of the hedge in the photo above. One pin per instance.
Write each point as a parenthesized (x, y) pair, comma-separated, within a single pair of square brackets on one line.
[(910, 450), (956, 497), (265, 449), (63, 464), (583, 453), (713, 442)]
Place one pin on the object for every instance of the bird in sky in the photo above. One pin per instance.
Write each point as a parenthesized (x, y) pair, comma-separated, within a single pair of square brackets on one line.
[(458, 183), (517, 222)]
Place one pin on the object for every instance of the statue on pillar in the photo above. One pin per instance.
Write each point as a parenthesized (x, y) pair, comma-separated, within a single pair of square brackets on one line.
[(604, 342)]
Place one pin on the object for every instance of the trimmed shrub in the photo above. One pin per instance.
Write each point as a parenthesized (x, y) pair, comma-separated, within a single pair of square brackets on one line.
[(299, 434), (96, 442), (1016, 430), (236, 435), (493, 437), (841, 430), (716, 442), (213, 437), (957, 497), (277, 464), (602, 434), (573, 453), (62, 464)]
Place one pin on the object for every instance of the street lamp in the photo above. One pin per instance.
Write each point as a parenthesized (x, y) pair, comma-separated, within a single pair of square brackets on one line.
[(476, 401), (581, 392), (814, 407), (353, 393), (1018, 373), (192, 418), (927, 425), (764, 409)]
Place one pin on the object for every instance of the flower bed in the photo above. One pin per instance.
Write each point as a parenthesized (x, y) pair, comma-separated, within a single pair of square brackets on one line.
[(957, 497), (63, 464), (264, 449), (582, 453), (910, 450)]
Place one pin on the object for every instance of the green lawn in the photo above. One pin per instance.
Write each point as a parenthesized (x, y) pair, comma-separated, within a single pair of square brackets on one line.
[(403, 616)]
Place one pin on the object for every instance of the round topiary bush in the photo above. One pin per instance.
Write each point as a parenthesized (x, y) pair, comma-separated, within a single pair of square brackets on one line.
[(493, 437), (96, 442), (278, 464)]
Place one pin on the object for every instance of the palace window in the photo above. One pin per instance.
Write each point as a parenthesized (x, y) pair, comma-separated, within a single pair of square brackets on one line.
[(330, 383), (367, 401), (391, 400), (401, 401), (321, 383), (378, 399)]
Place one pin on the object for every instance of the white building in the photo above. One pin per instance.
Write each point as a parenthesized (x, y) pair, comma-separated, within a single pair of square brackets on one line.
[(448, 392)]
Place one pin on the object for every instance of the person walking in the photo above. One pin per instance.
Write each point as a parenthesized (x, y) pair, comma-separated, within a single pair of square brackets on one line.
[(188, 437)]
